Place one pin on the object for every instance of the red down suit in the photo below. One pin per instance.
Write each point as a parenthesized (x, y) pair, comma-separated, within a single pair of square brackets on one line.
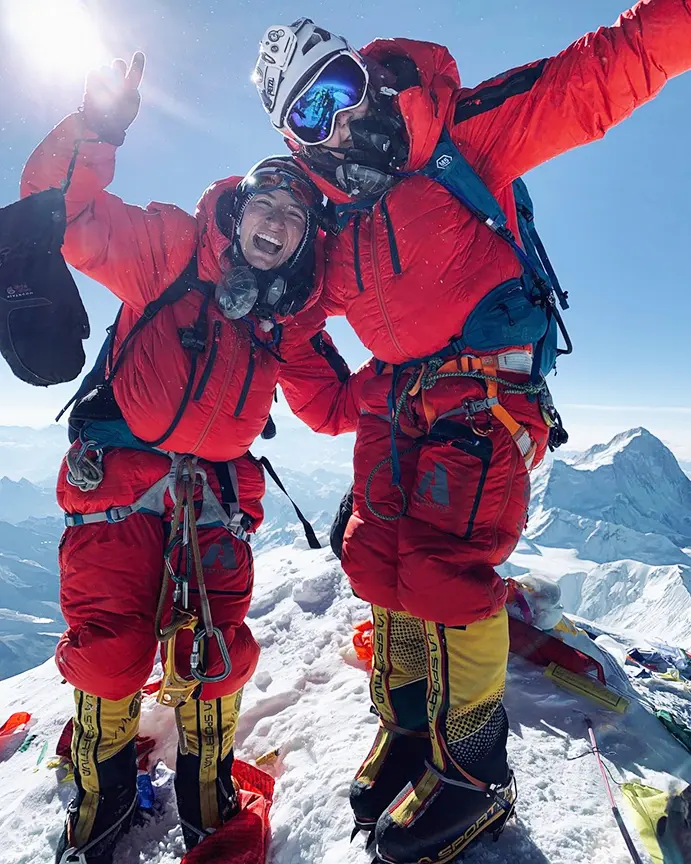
[(408, 271), (111, 573)]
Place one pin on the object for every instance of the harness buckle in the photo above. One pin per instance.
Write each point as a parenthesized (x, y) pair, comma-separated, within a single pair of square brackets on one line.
[(117, 514), (191, 340), (239, 526)]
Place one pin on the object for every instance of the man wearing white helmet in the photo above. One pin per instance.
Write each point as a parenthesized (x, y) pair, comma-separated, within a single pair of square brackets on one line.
[(463, 321)]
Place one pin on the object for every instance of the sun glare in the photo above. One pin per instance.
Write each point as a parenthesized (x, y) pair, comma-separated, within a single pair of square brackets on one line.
[(59, 37)]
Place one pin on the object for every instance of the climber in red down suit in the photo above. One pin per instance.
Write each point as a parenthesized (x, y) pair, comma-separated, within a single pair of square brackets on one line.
[(217, 309), (459, 411)]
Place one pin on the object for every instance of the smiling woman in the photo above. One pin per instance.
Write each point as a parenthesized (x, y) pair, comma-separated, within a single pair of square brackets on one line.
[(272, 226), (57, 36)]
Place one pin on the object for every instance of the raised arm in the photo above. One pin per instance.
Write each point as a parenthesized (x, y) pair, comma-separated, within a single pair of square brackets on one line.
[(316, 381), (134, 252), (510, 124)]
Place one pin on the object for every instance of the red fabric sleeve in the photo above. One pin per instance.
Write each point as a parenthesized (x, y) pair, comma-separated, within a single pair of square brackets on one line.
[(316, 380), (523, 118), (134, 252)]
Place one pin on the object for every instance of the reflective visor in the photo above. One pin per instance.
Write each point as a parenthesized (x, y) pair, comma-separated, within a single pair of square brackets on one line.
[(270, 180), (340, 86)]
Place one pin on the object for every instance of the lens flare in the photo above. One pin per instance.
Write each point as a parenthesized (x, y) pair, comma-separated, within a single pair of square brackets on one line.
[(58, 37)]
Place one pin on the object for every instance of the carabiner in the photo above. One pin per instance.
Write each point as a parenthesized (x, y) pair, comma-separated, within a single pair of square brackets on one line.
[(195, 658), (480, 432)]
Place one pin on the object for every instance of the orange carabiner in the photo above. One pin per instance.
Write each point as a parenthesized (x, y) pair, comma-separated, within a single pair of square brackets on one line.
[(480, 432)]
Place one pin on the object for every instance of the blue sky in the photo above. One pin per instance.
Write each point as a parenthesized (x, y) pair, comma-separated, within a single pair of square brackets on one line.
[(613, 215)]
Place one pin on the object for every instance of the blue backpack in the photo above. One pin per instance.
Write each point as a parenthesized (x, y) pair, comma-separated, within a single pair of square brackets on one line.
[(520, 311)]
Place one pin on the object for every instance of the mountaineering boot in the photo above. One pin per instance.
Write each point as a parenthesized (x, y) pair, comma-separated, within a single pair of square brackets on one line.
[(398, 688), (467, 787), (206, 793), (105, 773)]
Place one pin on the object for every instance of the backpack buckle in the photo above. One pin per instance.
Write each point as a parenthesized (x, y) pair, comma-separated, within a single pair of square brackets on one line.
[(192, 340)]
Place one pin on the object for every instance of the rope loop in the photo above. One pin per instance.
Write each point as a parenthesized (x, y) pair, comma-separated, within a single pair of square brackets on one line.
[(84, 472)]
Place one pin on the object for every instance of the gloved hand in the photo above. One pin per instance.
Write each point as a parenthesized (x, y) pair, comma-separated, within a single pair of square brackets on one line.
[(111, 98)]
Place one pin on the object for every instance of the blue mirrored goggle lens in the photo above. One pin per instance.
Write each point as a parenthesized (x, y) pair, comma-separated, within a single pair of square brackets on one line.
[(341, 85)]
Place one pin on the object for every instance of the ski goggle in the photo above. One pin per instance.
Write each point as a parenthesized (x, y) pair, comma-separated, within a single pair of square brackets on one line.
[(340, 85), (270, 180)]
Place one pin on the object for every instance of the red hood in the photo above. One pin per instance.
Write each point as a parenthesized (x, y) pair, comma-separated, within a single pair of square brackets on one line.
[(213, 242), (423, 108)]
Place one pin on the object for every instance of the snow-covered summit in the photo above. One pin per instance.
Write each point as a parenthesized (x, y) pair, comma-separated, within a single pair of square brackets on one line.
[(310, 697)]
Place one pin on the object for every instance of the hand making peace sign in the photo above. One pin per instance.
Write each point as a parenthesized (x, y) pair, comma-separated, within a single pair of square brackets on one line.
[(111, 98)]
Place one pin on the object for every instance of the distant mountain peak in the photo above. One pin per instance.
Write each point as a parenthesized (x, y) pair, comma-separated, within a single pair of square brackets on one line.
[(634, 441), (633, 482)]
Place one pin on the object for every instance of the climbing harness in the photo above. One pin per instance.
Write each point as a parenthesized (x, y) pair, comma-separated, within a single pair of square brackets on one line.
[(424, 374), (213, 514)]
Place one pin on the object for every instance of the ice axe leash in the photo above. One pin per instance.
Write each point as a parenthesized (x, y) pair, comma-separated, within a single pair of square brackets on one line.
[(612, 803)]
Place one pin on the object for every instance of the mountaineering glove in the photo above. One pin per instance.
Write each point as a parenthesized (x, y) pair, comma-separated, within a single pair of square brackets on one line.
[(112, 98)]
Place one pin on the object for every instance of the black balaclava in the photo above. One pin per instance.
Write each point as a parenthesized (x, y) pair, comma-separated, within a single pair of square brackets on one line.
[(380, 146)]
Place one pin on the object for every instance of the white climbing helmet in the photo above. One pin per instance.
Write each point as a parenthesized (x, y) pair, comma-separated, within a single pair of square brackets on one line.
[(300, 96)]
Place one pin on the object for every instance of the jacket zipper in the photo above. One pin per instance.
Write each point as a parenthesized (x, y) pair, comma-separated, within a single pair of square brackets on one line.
[(377, 286), (393, 247), (206, 374), (220, 400), (246, 384), (356, 253)]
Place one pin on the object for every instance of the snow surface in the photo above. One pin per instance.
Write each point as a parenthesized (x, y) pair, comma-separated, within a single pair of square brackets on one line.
[(310, 698)]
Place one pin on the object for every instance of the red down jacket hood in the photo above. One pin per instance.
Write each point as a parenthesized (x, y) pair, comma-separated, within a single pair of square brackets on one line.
[(212, 242), (423, 107)]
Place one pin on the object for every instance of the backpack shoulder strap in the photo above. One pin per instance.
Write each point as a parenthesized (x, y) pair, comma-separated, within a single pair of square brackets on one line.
[(526, 223), (177, 289), (452, 170)]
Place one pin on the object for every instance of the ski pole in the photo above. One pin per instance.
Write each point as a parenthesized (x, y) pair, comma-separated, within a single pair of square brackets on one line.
[(613, 804)]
